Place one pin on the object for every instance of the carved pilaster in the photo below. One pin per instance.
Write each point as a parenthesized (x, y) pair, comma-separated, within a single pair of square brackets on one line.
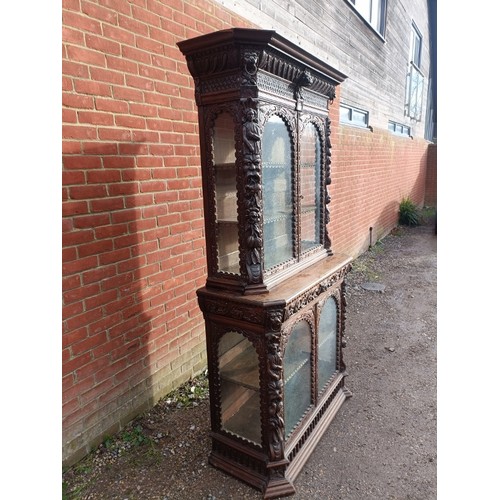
[(251, 144), (276, 433), (341, 364), (328, 181)]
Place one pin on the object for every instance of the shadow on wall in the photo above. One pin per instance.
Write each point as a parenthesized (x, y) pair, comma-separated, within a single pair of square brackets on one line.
[(382, 226), (388, 218), (112, 279)]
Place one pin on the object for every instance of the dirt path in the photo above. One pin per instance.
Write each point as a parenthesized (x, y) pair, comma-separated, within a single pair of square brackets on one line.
[(382, 443)]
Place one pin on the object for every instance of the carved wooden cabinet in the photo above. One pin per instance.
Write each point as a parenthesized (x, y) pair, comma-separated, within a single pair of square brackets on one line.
[(274, 302)]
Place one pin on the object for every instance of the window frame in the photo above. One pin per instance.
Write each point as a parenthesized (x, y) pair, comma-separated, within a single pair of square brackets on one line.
[(381, 5), (414, 88), (416, 35), (351, 122), (402, 126)]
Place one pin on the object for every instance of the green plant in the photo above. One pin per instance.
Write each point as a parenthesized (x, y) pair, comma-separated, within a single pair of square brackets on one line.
[(190, 393), (408, 213), (135, 436)]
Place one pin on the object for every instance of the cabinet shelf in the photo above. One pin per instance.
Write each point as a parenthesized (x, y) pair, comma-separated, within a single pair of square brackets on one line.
[(243, 421), (227, 221), (241, 367), (226, 166), (304, 209), (277, 217), (274, 165), (328, 338), (296, 368)]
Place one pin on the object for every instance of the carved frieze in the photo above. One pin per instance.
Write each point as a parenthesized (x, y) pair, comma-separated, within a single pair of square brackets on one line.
[(231, 309), (313, 293)]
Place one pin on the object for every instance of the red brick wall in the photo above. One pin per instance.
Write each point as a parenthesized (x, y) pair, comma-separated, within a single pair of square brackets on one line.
[(431, 179), (133, 234), (371, 173)]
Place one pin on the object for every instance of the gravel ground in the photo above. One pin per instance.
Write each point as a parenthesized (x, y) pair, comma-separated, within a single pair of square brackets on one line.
[(381, 444)]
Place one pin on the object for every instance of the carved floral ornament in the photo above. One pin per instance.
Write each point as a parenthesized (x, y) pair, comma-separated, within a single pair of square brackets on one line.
[(307, 297)]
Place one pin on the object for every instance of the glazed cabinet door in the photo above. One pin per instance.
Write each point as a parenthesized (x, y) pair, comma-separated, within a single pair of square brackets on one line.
[(239, 387), (327, 343), (297, 375), (226, 208)]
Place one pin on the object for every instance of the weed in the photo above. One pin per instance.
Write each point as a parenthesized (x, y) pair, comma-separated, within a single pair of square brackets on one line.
[(408, 213), (149, 457), (363, 265), (132, 443), (135, 437), (190, 393), (378, 247), (65, 491)]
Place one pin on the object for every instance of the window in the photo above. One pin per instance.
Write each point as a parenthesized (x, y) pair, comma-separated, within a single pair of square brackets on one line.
[(416, 47), (414, 77), (353, 116), (373, 11), (399, 128)]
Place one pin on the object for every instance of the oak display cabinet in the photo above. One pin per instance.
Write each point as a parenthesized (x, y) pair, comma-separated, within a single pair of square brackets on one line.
[(274, 299)]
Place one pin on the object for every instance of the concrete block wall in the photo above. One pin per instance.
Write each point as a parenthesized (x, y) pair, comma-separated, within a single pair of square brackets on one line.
[(133, 230)]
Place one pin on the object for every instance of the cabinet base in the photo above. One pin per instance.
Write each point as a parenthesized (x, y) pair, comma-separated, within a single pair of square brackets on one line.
[(255, 470), (273, 487), (307, 448)]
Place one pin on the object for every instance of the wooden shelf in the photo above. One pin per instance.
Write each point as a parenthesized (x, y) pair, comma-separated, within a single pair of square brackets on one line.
[(305, 209), (245, 422), (225, 166), (297, 367), (329, 337), (227, 221), (241, 367), (277, 217), (274, 165)]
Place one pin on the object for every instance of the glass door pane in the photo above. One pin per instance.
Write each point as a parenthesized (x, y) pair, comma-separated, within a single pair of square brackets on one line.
[(297, 373), (239, 386), (327, 342), (310, 188), (277, 193), (225, 194)]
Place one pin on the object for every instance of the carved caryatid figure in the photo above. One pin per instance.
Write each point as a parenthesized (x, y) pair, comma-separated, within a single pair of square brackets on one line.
[(275, 394), (254, 244), (253, 193), (251, 132)]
